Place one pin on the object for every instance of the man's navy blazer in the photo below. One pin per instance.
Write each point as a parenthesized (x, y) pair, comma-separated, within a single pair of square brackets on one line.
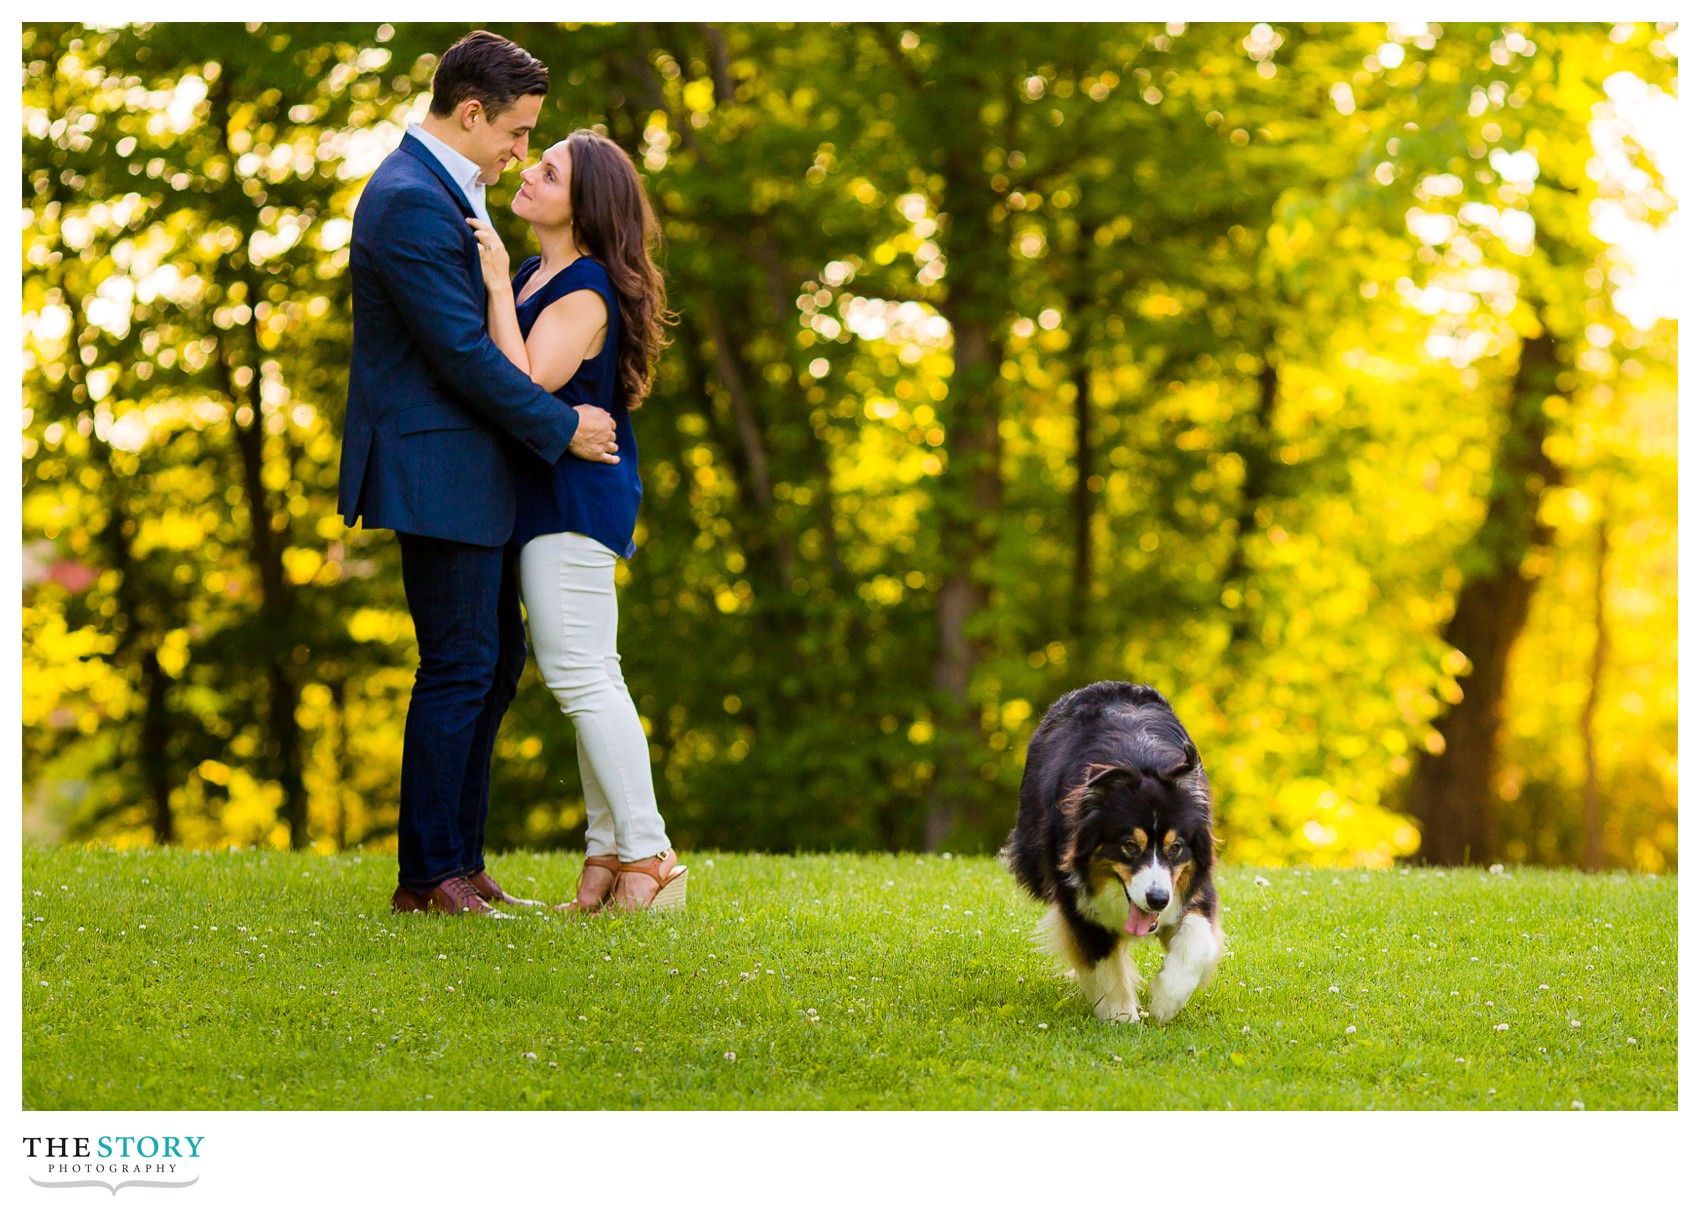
[(431, 400)]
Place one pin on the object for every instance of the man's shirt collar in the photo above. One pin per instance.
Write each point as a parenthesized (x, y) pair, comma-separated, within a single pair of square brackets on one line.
[(464, 171)]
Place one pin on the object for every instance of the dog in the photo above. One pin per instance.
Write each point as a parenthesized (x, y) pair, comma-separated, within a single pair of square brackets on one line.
[(1114, 834)]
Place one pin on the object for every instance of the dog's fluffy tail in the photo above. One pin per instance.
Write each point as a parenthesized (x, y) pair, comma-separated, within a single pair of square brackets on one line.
[(1052, 936)]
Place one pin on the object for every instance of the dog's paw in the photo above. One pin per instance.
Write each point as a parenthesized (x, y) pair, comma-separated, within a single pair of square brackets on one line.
[(1167, 1001), (1117, 1012)]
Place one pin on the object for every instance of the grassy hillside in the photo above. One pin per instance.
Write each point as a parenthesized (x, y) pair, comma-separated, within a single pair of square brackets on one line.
[(264, 980)]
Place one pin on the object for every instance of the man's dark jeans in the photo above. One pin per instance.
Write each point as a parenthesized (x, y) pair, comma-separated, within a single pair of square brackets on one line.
[(465, 605)]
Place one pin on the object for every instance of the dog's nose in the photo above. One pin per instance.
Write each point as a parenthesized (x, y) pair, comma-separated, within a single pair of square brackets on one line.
[(1156, 898)]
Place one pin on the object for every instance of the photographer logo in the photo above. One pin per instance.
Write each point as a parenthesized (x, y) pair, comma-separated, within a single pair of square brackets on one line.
[(113, 1162)]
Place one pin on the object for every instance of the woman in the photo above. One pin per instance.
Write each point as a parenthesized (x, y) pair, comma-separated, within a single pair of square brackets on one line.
[(584, 320)]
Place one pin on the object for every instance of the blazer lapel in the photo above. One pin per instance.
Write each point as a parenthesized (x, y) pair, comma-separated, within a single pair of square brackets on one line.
[(420, 152)]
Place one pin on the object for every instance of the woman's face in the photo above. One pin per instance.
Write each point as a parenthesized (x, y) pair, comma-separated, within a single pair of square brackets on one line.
[(543, 197)]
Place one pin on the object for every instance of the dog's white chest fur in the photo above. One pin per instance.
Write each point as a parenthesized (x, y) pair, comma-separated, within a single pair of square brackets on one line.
[(1111, 987)]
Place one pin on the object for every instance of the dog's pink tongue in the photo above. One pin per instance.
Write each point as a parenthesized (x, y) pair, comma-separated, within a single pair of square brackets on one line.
[(1138, 921)]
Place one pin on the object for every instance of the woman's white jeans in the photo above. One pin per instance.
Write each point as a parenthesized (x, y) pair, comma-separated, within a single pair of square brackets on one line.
[(567, 581)]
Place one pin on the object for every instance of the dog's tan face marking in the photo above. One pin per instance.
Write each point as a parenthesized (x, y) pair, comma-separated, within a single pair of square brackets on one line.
[(1168, 839), (1105, 898), (1183, 881), (1113, 871), (1141, 838)]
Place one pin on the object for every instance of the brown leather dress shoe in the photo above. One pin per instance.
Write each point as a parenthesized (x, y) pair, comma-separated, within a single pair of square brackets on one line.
[(492, 893), (456, 895), (406, 900), (453, 895)]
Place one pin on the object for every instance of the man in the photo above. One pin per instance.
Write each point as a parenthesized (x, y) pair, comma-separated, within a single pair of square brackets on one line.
[(434, 412)]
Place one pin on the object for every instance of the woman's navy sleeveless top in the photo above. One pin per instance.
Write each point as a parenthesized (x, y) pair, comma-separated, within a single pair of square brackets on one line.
[(595, 499)]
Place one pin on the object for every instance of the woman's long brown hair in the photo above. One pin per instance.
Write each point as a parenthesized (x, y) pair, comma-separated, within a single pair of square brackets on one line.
[(614, 223)]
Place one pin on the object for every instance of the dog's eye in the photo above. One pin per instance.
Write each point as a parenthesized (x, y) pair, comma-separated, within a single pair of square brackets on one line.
[(1176, 849), (1131, 850)]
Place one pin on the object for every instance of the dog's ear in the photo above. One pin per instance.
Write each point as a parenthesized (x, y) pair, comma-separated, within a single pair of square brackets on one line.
[(1103, 778), (1082, 808), (1081, 802), (1100, 781), (1188, 763)]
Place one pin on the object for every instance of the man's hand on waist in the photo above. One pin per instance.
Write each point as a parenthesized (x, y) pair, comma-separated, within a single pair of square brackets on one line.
[(594, 439)]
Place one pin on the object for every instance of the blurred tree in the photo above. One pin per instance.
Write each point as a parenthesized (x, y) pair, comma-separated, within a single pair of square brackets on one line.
[(1275, 365), (1530, 95), (179, 197)]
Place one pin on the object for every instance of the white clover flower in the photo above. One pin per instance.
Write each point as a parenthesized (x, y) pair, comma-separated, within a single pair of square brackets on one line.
[(1506, 1027)]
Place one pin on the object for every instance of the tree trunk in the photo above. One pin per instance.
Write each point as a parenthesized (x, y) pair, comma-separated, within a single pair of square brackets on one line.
[(970, 498), (1083, 572), (156, 735), (265, 546), (338, 687), (750, 457), (1253, 449), (132, 622), (1451, 792), (265, 555), (1593, 827)]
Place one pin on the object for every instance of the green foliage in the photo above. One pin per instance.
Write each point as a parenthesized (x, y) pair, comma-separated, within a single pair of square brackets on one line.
[(1009, 358), (281, 982)]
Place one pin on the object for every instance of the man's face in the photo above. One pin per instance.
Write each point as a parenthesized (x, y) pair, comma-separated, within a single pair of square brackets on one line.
[(495, 142)]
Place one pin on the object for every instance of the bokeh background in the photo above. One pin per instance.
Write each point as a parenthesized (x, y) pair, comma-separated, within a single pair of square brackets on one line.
[(1321, 375)]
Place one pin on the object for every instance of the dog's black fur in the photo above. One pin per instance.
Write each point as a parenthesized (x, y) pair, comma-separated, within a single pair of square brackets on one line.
[(1111, 774)]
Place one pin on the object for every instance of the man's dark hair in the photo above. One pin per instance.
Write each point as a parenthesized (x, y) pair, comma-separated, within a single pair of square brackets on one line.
[(489, 68)]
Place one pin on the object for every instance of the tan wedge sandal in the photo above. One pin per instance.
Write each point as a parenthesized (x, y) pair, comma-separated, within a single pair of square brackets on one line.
[(665, 872), (588, 905)]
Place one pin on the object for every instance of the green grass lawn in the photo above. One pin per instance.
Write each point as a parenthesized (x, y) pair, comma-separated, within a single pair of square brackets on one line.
[(264, 980)]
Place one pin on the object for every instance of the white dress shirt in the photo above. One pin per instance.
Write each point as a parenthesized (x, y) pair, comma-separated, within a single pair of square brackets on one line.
[(464, 171)]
